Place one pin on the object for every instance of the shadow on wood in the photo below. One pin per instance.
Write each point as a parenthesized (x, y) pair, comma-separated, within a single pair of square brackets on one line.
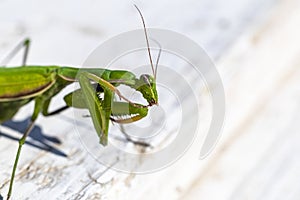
[(39, 140)]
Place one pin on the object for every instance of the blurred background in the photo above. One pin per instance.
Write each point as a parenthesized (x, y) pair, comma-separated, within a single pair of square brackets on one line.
[(255, 46)]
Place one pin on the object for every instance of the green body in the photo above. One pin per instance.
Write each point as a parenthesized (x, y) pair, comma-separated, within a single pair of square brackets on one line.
[(20, 85)]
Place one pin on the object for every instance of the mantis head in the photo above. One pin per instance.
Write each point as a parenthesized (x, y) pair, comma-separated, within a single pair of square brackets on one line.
[(147, 83), (147, 86)]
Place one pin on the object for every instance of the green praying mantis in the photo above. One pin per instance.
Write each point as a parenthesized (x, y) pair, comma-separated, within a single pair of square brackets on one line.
[(23, 84)]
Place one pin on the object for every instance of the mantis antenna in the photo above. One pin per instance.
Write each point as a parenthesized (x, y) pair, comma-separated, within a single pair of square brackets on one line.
[(147, 40), (158, 56)]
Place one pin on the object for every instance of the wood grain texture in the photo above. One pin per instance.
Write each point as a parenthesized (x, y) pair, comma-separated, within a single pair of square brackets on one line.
[(258, 157), (251, 76)]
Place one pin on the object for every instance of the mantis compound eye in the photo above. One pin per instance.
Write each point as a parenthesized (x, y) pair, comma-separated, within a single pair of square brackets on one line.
[(146, 79)]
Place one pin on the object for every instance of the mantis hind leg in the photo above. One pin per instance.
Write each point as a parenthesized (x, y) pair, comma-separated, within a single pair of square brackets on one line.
[(45, 109), (37, 109), (24, 44)]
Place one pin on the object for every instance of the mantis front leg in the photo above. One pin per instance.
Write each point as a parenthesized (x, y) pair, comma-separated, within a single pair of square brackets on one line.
[(129, 113), (132, 114), (102, 110), (99, 111), (108, 86)]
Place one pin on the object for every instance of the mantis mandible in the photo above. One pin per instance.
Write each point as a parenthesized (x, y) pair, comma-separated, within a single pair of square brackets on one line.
[(23, 84)]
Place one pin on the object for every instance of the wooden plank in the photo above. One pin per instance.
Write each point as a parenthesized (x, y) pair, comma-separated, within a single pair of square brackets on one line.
[(79, 176), (258, 155)]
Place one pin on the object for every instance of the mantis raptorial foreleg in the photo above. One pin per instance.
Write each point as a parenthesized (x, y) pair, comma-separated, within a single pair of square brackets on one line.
[(100, 112), (123, 108), (108, 85), (24, 44)]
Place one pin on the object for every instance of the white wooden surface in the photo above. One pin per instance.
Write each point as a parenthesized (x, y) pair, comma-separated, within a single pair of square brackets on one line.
[(256, 157)]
